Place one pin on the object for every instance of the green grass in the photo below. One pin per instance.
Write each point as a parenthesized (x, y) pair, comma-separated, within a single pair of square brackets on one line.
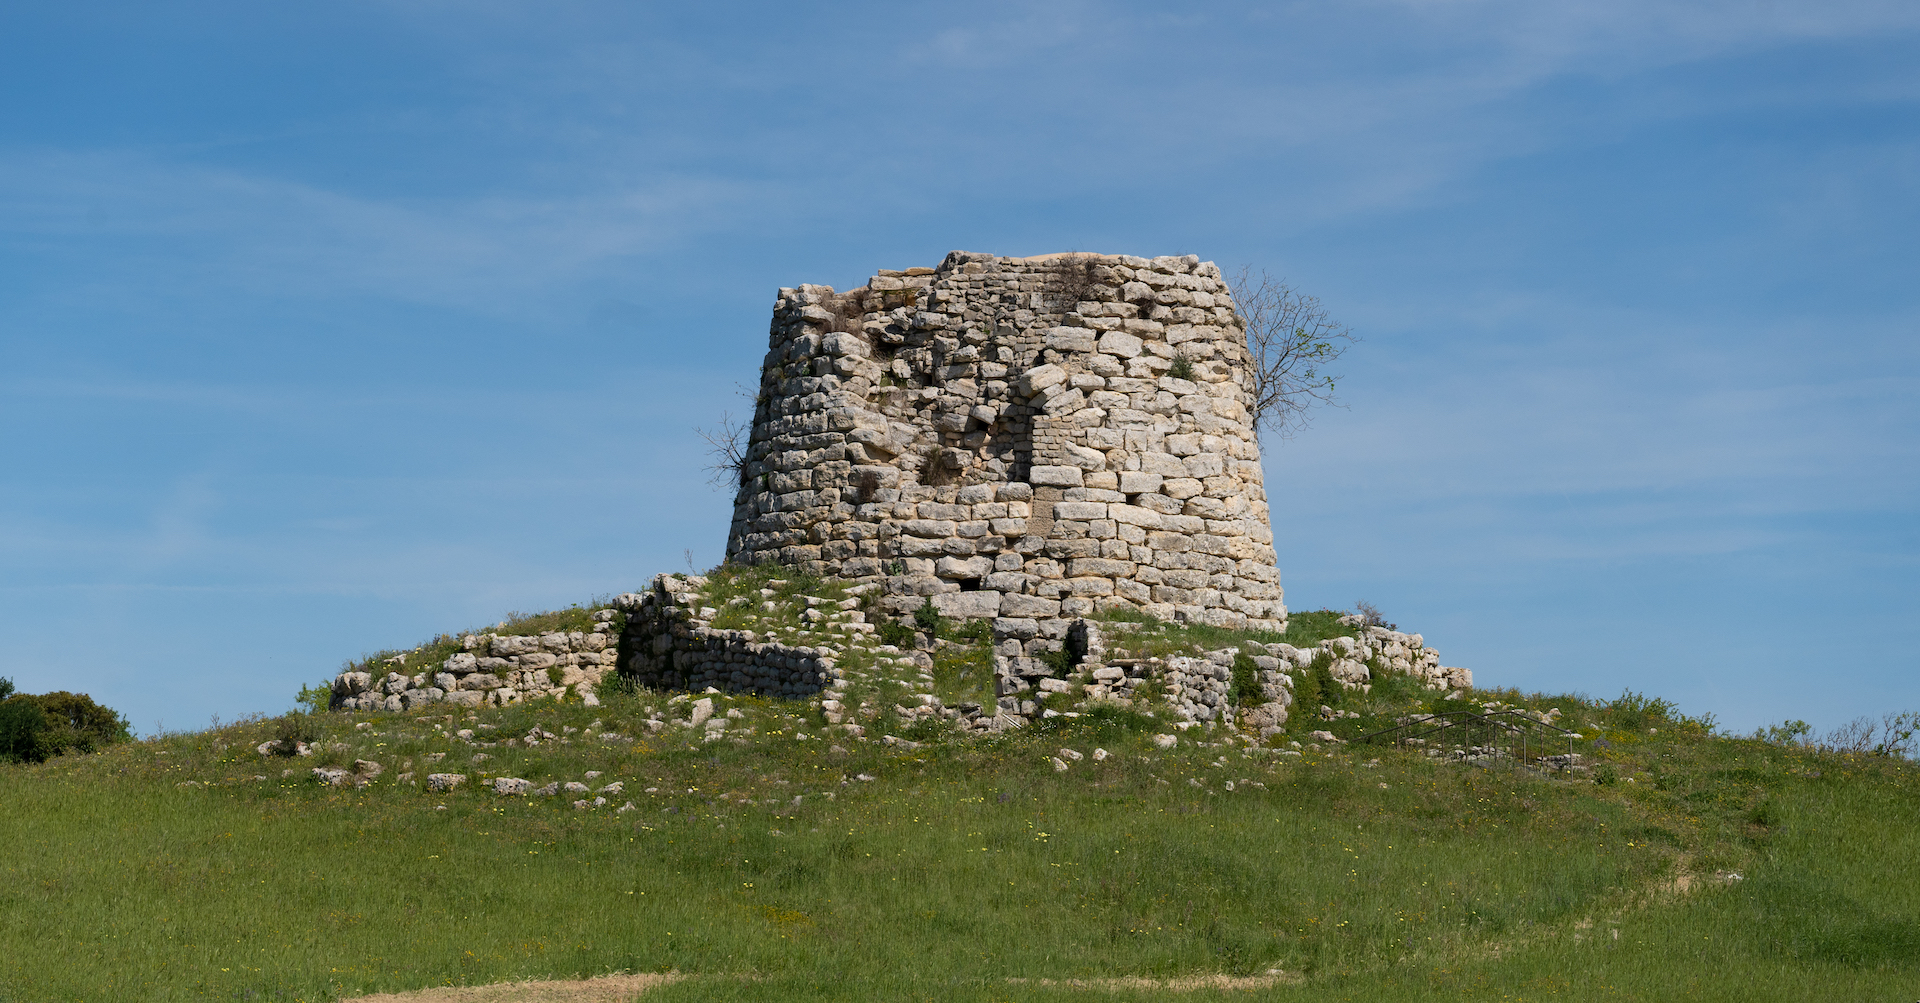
[(963, 864), (190, 867)]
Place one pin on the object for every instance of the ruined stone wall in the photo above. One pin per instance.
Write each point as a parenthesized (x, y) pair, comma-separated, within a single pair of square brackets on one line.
[(1028, 439)]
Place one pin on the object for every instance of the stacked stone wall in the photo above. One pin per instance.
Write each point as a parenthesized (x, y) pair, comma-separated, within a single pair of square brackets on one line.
[(1027, 439), (493, 670), (675, 648)]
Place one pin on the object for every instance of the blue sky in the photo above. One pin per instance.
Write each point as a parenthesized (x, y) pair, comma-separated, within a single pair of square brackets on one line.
[(326, 329)]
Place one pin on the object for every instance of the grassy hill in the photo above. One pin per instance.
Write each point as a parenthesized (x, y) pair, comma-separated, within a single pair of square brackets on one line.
[(776, 861)]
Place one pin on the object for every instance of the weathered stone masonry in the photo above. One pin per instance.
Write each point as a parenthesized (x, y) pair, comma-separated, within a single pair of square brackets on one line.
[(1027, 439)]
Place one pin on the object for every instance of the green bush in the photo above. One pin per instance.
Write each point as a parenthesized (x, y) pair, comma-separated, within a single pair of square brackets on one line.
[(290, 731), (1246, 681), (6, 687), (66, 722), (928, 618), (895, 633), (318, 698), (1637, 712), (23, 730), (1307, 697)]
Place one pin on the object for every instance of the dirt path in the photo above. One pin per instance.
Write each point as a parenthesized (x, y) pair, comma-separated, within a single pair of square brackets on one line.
[(605, 989), (627, 988)]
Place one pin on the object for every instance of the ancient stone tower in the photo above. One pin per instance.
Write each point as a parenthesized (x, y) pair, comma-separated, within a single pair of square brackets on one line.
[(1029, 439)]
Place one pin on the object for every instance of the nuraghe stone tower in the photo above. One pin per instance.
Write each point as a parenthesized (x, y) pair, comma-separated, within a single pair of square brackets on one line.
[(1027, 439)]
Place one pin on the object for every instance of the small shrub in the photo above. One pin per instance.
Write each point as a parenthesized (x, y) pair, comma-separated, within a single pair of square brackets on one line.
[(1061, 661), (1605, 775), (975, 630), (1638, 712), (293, 730), (1246, 681), (1307, 697), (1182, 368), (318, 698), (1331, 692), (895, 633), (1784, 733), (1370, 615), (928, 618), (23, 730)]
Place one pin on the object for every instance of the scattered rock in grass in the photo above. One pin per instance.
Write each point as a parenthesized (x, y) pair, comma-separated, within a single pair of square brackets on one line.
[(865, 777), (445, 781), (511, 785), (1059, 766), (613, 788), (1100, 754), (332, 778), (1166, 741), (574, 787), (549, 790), (1070, 754)]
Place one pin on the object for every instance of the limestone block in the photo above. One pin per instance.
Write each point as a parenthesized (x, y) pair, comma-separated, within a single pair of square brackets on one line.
[(1139, 481), (1070, 339), (1163, 463), (1040, 378), (1134, 515), (1120, 345), (1084, 458), (1023, 628), (1089, 587), (969, 605), (1205, 465), (1084, 566), (1024, 606), (840, 343), (1181, 488), (1056, 476), (970, 567), (929, 528), (1071, 510)]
